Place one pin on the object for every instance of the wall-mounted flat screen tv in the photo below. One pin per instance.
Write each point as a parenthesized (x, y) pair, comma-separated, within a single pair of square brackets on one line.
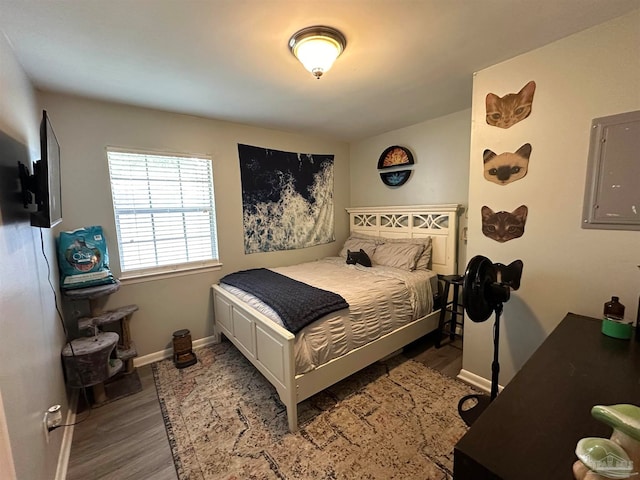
[(45, 181)]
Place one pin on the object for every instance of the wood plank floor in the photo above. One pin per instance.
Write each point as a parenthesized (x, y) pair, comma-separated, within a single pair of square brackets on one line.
[(123, 440), (126, 439)]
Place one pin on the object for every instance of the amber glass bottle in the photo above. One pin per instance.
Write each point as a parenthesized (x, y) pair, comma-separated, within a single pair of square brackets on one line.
[(614, 309)]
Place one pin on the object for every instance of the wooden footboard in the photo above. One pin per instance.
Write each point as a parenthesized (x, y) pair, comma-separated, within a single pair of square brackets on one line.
[(267, 345), (270, 348)]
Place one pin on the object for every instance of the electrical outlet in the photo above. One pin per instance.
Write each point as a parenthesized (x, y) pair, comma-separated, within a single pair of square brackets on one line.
[(52, 419)]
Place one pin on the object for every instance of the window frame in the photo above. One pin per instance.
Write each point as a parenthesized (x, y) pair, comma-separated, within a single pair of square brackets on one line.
[(175, 269)]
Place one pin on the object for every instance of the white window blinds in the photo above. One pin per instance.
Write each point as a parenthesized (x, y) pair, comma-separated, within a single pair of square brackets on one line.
[(164, 210)]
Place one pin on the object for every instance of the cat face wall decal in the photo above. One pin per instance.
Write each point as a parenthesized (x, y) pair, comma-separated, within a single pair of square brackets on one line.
[(506, 111), (504, 226), (506, 167)]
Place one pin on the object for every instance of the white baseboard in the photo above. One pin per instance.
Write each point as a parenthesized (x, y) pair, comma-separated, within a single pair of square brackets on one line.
[(476, 380), (168, 353), (67, 437)]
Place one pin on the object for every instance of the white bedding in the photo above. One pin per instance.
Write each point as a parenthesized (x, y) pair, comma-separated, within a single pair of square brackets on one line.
[(381, 299)]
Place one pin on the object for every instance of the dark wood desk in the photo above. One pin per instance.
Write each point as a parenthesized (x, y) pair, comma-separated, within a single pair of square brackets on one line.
[(531, 429)]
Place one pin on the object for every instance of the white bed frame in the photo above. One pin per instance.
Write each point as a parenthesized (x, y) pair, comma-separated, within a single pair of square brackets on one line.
[(270, 347)]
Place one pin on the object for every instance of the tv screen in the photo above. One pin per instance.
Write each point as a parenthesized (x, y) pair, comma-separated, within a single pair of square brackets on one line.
[(46, 173)]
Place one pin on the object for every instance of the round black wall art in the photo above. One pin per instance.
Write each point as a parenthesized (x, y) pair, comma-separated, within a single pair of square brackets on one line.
[(391, 160)]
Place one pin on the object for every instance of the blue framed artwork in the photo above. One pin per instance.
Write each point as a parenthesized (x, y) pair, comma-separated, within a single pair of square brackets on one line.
[(396, 178)]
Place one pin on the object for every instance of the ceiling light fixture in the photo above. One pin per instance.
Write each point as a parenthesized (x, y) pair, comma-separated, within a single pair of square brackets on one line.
[(317, 48)]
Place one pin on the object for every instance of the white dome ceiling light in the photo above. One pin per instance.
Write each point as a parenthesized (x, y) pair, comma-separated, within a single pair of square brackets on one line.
[(317, 48)]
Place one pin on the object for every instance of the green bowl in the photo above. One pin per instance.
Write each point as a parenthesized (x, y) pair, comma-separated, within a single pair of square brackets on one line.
[(617, 329)]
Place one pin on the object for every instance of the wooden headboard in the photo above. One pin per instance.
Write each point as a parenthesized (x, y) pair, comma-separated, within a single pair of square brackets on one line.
[(440, 222)]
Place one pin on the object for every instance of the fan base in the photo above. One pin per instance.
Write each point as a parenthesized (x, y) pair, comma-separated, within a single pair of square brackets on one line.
[(470, 415)]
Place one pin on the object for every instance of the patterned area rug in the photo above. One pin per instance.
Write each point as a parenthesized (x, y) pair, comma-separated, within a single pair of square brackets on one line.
[(396, 419)]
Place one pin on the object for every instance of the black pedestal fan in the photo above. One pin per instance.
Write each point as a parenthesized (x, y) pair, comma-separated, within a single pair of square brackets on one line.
[(485, 288)]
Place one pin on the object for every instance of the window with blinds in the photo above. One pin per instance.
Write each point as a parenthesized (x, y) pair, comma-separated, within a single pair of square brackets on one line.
[(164, 210)]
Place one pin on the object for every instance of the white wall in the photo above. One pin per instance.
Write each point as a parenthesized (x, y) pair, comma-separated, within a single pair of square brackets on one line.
[(85, 128), (566, 269), (440, 149), (31, 377)]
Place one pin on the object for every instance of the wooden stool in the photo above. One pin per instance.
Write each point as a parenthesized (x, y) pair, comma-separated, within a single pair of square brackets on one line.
[(87, 362), (454, 307)]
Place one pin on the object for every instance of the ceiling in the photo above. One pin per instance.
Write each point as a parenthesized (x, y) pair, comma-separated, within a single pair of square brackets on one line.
[(406, 61)]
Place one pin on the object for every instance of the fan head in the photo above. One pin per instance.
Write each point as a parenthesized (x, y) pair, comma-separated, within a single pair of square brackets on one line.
[(481, 292)]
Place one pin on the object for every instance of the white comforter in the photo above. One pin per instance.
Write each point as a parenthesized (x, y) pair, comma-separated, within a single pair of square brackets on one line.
[(381, 299)]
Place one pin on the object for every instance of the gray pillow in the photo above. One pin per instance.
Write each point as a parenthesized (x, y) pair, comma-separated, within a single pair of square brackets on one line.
[(398, 254), (354, 244), (424, 261)]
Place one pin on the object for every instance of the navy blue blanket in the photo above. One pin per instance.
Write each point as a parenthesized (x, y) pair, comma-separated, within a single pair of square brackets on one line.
[(297, 303)]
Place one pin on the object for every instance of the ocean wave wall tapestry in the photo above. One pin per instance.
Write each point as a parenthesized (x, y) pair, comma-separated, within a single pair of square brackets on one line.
[(287, 199)]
